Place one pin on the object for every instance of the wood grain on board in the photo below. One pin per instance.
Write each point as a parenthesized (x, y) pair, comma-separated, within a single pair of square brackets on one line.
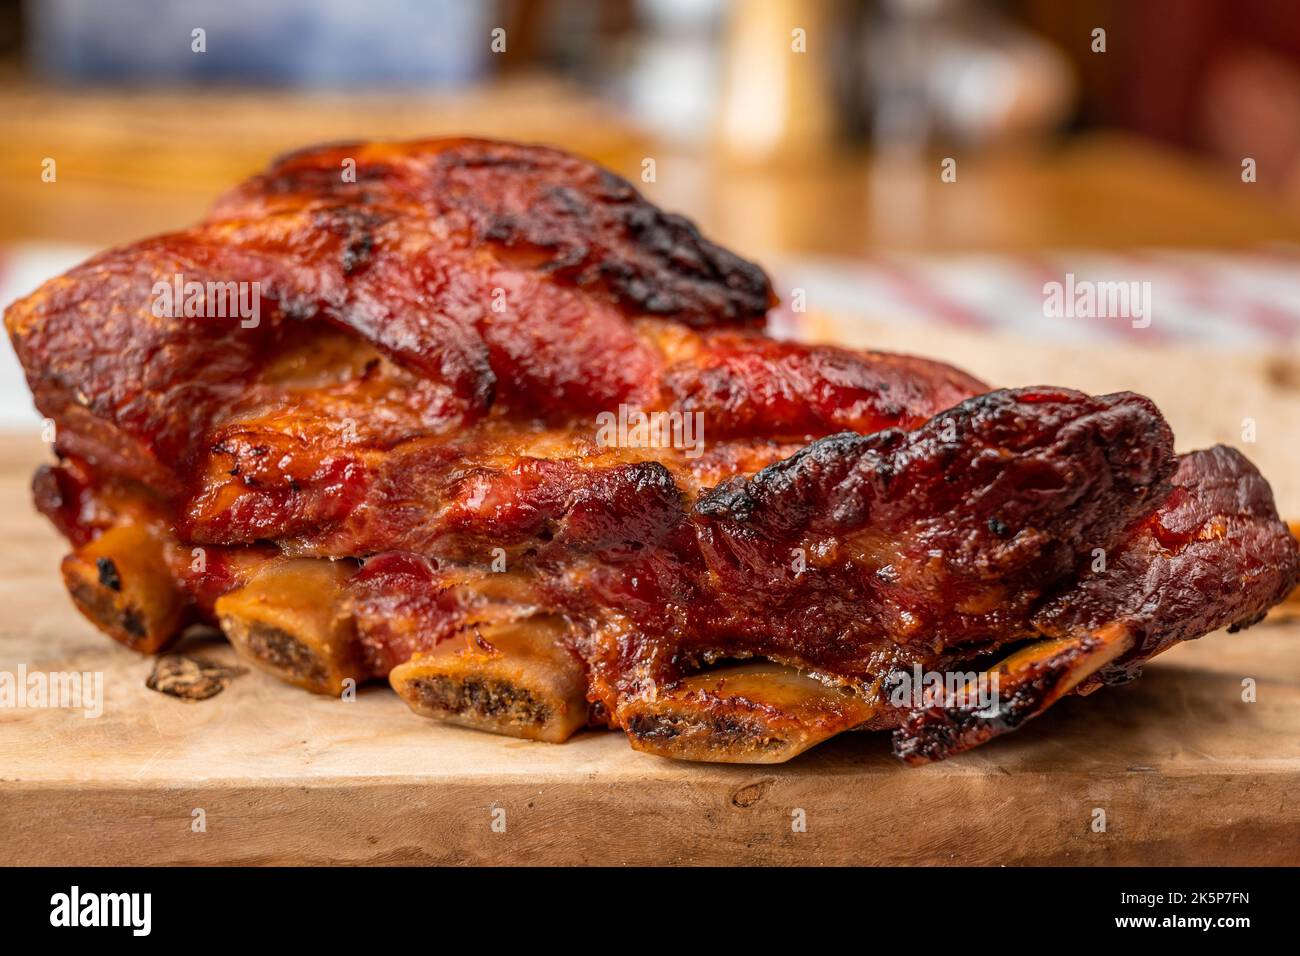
[(1185, 771)]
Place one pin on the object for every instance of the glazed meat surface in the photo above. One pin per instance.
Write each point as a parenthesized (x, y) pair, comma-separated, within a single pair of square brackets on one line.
[(401, 463)]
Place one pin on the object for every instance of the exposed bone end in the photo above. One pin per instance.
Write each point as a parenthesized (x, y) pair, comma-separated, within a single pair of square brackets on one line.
[(759, 712), (289, 620), (514, 678), (1028, 682), (121, 583)]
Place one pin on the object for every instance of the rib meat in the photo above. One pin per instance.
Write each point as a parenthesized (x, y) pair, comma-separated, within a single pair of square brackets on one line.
[(394, 468)]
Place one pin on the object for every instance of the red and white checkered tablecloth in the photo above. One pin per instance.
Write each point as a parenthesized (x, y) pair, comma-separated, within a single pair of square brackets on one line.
[(1243, 300)]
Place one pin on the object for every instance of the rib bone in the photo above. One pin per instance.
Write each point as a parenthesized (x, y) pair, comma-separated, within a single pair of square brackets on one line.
[(759, 712), (514, 678), (289, 620), (121, 582), (1028, 682)]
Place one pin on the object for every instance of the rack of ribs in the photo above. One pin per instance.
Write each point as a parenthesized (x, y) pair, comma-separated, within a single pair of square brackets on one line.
[(393, 467)]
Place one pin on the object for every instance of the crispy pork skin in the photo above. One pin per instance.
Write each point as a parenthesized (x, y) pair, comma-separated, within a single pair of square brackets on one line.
[(394, 460)]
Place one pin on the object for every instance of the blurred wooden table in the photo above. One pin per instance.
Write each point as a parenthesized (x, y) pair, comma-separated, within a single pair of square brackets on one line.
[(130, 164)]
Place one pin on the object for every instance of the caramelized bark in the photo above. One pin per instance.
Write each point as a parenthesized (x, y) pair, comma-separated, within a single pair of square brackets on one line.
[(942, 537), (501, 279), (1214, 554), (861, 555)]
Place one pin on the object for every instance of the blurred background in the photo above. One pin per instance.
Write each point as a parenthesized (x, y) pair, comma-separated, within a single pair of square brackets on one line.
[(896, 164)]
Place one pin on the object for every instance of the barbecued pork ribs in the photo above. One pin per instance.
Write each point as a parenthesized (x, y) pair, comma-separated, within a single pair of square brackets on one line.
[(392, 465)]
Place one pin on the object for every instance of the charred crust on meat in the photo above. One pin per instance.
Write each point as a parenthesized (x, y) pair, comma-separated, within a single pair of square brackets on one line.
[(357, 253), (784, 485), (731, 500), (998, 527), (598, 229), (356, 228), (108, 575)]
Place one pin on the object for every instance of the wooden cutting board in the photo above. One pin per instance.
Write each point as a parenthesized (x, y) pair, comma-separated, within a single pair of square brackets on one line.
[(1184, 770)]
